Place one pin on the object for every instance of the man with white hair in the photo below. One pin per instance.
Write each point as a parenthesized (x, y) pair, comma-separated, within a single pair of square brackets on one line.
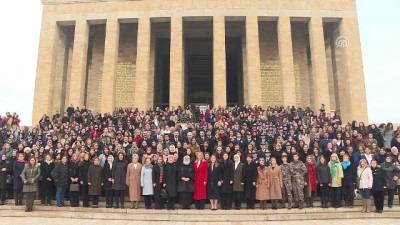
[(395, 153)]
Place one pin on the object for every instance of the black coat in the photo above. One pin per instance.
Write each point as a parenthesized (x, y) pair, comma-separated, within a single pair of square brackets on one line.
[(323, 174), (18, 167), (350, 175), (214, 175), (119, 175), (83, 171), (171, 179), (45, 170), (185, 171), (378, 179), (3, 174), (250, 171), (156, 178), (74, 170), (107, 173), (227, 177), (61, 175)]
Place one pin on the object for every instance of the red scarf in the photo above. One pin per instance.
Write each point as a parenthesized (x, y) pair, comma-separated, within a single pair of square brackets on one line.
[(311, 171)]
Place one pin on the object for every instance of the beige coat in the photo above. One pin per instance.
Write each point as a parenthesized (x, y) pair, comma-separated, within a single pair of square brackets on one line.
[(133, 181), (275, 182), (262, 191), (365, 177)]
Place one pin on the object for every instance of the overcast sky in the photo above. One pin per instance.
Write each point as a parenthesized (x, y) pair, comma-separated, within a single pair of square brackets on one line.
[(379, 29)]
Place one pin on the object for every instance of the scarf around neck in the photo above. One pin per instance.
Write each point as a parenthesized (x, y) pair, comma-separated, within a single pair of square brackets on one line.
[(346, 164), (334, 165)]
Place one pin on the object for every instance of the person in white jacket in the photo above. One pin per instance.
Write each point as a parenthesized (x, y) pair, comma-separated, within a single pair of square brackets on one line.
[(364, 175)]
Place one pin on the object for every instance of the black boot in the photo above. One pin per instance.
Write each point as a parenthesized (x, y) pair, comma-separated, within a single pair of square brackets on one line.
[(282, 204), (289, 206), (311, 202), (116, 203), (301, 204)]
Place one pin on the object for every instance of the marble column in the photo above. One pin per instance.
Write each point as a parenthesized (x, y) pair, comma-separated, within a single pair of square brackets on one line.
[(108, 83), (45, 73), (286, 60), (252, 78), (177, 79), (142, 102), (79, 62), (319, 67), (219, 62)]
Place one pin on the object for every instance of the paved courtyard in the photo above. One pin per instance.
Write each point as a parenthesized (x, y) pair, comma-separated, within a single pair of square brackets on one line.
[(52, 221)]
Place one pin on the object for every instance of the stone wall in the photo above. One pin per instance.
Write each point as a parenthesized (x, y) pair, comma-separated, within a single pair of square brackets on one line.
[(95, 67), (126, 68), (271, 79)]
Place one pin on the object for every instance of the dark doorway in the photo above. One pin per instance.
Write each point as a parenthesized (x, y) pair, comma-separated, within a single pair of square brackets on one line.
[(199, 70), (234, 71), (161, 73)]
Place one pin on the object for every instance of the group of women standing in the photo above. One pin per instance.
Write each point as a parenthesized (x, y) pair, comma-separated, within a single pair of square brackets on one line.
[(200, 180)]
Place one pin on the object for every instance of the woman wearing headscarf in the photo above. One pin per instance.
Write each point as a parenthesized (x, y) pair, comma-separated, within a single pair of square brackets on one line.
[(365, 178), (238, 181), (146, 182), (133, 175), (227, 181), (200, 180), (185, 182), (378, 186), (349, 179), (4, 172), (119, 179), (390, 171), (95, 181), (74, 178), (170, 181), (324, 180), (30, 176), (158, 182), (47, 185), (275, 182), (337, 174), (107, 181)]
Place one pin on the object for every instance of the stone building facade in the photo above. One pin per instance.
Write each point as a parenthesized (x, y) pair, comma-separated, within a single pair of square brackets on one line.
[(104, 54)]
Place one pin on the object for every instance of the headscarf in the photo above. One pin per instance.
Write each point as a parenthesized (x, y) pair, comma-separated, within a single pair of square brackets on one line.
[(186, 160)]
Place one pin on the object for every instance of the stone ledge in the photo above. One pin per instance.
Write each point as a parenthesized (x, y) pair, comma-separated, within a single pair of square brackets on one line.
[(193, 215)]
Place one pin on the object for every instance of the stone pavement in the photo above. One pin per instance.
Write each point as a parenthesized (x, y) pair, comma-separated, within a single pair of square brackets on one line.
[(52, 221)]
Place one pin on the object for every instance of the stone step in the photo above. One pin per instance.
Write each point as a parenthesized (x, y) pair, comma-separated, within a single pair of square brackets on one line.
[(195, 215), (316, 203)]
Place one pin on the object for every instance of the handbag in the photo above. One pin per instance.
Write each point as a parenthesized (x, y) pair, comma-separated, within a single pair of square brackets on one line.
[(358, 179), (74, 187), (164, 193)]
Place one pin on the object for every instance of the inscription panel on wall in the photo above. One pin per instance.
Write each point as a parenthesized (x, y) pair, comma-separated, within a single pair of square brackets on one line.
[(271, 81), (125, 85)]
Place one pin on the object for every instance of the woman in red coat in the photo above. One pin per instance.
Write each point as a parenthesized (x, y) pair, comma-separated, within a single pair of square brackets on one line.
[(200, 180)]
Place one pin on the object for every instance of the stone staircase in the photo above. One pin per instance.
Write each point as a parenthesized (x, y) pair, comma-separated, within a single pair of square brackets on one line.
[(206, 215)]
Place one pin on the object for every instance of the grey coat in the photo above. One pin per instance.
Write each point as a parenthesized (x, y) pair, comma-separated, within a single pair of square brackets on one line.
[(146, 180), (30, 178), (389, 173)]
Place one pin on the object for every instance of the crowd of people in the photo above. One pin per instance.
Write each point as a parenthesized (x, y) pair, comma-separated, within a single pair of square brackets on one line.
[(283, 155)]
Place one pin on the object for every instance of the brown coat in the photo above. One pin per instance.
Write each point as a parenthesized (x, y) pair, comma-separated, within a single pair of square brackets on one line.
[(95, 176), (262, 191), (275, 182), (133, 181)]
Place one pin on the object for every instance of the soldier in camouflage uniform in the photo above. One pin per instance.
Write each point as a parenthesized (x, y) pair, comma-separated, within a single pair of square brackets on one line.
[(287, 183), (298, 170)]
